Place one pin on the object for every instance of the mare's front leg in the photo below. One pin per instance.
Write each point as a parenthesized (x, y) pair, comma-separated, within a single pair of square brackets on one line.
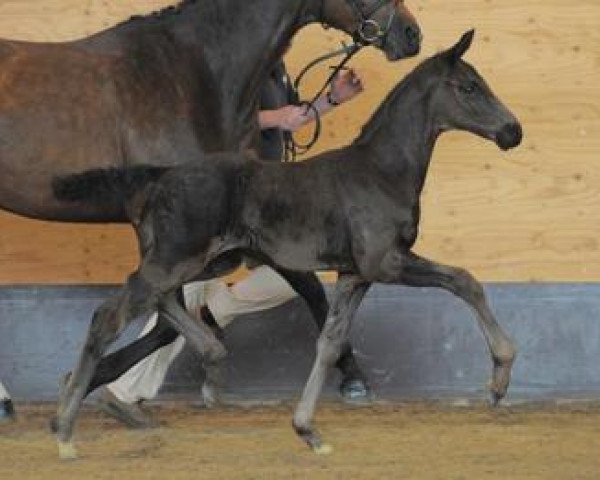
[(310, 288), (135, 298), (349, 292), (412, 270)]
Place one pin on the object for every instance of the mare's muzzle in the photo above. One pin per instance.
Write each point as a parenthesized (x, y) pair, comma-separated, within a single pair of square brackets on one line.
[(413, 39), (509, 136)]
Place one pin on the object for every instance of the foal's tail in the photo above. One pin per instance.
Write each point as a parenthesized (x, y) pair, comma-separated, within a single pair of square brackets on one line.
[(105, 184)]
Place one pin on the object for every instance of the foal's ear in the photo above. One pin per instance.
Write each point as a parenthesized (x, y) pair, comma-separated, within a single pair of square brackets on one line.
[(457, 51)]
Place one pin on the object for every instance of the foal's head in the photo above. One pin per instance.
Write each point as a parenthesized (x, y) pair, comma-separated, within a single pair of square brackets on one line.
[(386, 24), (463, 100)]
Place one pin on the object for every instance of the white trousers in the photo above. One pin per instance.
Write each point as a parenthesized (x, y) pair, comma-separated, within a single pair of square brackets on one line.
[(262, 289), (3, 393)]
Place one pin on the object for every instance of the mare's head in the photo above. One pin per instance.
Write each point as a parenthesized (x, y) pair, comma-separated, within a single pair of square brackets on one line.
[(462, 100), (386, 24)]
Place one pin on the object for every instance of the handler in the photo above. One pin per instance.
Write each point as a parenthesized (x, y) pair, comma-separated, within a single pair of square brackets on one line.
[(214, 302)]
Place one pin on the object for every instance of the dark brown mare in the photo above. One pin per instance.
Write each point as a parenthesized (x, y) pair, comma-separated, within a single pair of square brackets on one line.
[(355, 210), (159, 89)]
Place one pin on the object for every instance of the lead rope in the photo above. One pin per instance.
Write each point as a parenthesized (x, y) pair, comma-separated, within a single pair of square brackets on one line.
[(293, 148)]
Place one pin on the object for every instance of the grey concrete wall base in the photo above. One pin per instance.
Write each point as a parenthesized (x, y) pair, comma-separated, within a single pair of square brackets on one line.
[(412, 343)]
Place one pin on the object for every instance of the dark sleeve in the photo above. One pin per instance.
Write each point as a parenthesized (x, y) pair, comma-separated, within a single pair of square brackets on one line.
[(275, 94)]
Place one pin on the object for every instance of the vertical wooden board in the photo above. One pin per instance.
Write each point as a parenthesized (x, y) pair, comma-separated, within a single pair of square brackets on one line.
[(530, 214)]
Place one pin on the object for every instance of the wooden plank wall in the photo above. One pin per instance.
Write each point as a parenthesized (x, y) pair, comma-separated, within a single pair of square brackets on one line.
[(528, 215)]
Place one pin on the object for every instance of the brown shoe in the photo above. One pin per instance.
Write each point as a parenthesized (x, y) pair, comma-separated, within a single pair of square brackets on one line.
[(129, 414)]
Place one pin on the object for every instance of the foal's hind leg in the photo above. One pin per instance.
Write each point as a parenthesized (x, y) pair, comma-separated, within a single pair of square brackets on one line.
[(114, 365), (309, 287), (200, 335), (349, 292), (108, 321), (203, 339), (420, 272)]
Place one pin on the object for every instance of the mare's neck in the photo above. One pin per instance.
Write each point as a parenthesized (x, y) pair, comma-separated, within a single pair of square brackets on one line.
[(232, 45)]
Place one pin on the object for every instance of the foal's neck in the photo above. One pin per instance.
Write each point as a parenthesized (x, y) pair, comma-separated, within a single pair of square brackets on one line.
[(400, 137)]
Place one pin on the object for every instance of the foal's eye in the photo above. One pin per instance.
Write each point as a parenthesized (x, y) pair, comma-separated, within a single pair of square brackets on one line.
[(469, 88)]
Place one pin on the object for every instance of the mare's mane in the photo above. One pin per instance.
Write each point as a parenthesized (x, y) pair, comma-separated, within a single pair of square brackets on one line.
[(162, 13)]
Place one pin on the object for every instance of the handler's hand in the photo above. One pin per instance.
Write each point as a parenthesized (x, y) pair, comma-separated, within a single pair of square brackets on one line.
[(346, 86), (291, 117)]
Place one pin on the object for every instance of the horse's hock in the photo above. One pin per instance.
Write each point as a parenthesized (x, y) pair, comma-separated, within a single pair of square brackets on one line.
[(528, 222)]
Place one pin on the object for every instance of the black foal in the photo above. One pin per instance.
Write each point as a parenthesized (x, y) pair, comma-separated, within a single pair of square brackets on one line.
[(354, 210)]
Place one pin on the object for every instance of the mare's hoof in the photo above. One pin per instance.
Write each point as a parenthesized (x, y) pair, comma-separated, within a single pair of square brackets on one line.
[(53, 424), (7, 410), (66, 451), (495, 398), (355, 390)]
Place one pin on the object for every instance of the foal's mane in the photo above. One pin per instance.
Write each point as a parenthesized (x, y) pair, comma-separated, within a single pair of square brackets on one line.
[(418, 77), (163, 12)]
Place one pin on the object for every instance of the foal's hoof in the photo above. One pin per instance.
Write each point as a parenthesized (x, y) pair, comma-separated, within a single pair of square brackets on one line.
[(210, 395), (66, 451), (313, 440), (500, 379), (324, 449)]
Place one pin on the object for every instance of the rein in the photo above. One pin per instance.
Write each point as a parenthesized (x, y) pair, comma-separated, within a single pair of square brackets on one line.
[(367, 33), (291, 146)]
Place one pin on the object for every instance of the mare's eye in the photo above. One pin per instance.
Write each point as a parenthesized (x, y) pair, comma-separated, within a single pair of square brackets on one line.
[(470, 87)]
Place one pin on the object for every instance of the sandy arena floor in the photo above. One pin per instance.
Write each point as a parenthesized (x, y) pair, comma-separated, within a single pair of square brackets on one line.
[(412, 441)]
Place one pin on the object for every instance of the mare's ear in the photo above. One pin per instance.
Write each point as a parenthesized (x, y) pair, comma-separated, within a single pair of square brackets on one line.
[(455, 53)]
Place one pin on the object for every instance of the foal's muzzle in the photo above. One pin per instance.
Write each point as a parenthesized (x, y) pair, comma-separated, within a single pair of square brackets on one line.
[(509, 136)]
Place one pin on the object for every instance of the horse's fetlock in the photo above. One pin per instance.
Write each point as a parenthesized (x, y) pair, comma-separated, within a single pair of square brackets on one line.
[(506, 354)]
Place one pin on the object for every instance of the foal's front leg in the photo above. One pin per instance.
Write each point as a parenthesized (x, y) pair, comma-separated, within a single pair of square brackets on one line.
[(415, 271), (349, 292), (310, 288)]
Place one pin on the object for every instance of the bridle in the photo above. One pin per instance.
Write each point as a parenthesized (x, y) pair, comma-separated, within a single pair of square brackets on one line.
[(368, 32)]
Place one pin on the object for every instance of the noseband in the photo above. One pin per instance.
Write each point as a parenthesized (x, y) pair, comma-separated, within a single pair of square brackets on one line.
[(369, 30)]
